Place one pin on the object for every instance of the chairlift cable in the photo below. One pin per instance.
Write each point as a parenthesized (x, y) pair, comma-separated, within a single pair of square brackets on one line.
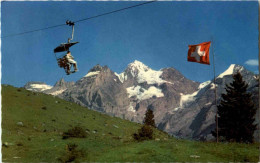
[(126, 8), (36, 30), (85, 19)]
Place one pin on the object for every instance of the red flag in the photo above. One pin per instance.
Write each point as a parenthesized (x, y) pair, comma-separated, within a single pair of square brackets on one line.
[(199, 53)]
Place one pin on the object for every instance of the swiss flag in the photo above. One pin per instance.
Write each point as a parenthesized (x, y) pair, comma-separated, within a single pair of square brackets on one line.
[(199, 53)]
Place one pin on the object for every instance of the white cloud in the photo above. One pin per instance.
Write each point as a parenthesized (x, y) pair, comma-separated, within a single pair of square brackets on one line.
[(252, 62)]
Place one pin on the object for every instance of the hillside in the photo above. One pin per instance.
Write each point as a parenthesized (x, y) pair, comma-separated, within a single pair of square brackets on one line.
[(33, 124)]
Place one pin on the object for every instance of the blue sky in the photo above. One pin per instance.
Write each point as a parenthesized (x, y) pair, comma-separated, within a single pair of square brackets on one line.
[(157, 34)]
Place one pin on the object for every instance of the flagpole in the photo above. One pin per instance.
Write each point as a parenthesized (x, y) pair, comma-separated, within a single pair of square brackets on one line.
[(215, 90), (258, 78)]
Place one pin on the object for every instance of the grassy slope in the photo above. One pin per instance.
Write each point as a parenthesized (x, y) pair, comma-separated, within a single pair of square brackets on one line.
[(29, 143)]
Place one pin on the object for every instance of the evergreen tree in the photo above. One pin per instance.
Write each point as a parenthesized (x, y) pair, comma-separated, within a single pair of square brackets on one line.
[(149, 117), (146, 131), (236, 112)]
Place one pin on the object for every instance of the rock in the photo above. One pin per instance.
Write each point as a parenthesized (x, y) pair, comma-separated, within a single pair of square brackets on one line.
[(5, 144), (20, 123), (20, 132), (16, 157), (194, 156), (52, 139), (115, 126), (157, 139)]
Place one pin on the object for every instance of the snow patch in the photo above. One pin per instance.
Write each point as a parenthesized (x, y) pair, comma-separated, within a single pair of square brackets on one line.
[(122, 77), (229, 71), (212, 86), (92, 73), (204, 84), (143, 94), (192, 97), (145, 74), (40, 87), (187, 98), (131, 108), (176, 109)]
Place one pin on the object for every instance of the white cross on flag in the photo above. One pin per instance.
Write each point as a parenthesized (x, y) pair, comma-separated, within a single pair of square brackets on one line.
[(199, 53)]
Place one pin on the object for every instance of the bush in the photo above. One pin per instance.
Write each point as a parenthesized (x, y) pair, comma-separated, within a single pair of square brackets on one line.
[(44, 108), (144, 133), (76, 132), (72, 154), (19, 144)]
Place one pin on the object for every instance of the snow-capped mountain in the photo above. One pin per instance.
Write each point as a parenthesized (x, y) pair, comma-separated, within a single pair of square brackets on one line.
[(130, 93), (37, 86), (195, 117), (142, 74), (59, 87), (181, 107)]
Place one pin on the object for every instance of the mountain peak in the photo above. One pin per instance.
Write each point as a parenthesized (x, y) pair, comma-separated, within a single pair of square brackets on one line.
[(94, 71), (96, 68), (138, 65), (233, 68), (60, 82)]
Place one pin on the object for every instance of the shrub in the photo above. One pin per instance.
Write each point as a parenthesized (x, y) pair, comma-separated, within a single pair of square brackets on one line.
[(144, 133), (44, 108), (72, 154), (19, 144), (76, 132)]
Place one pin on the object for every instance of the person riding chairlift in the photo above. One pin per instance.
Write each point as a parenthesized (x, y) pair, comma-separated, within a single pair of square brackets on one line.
[(71, 61)]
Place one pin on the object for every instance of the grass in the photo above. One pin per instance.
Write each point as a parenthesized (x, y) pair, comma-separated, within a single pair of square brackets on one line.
[(45, 118)]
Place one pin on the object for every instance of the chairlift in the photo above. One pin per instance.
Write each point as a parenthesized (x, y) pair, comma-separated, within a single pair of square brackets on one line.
[(62, 62)]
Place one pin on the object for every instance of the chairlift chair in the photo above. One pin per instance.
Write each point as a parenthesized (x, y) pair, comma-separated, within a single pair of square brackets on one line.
[(62, 61)]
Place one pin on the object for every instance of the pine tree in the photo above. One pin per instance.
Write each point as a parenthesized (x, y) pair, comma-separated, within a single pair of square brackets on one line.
[(146, 131), (236, 112), (149, 117)]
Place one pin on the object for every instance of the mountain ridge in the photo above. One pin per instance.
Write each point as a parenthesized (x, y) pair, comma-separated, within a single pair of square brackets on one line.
[(166, 91)]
